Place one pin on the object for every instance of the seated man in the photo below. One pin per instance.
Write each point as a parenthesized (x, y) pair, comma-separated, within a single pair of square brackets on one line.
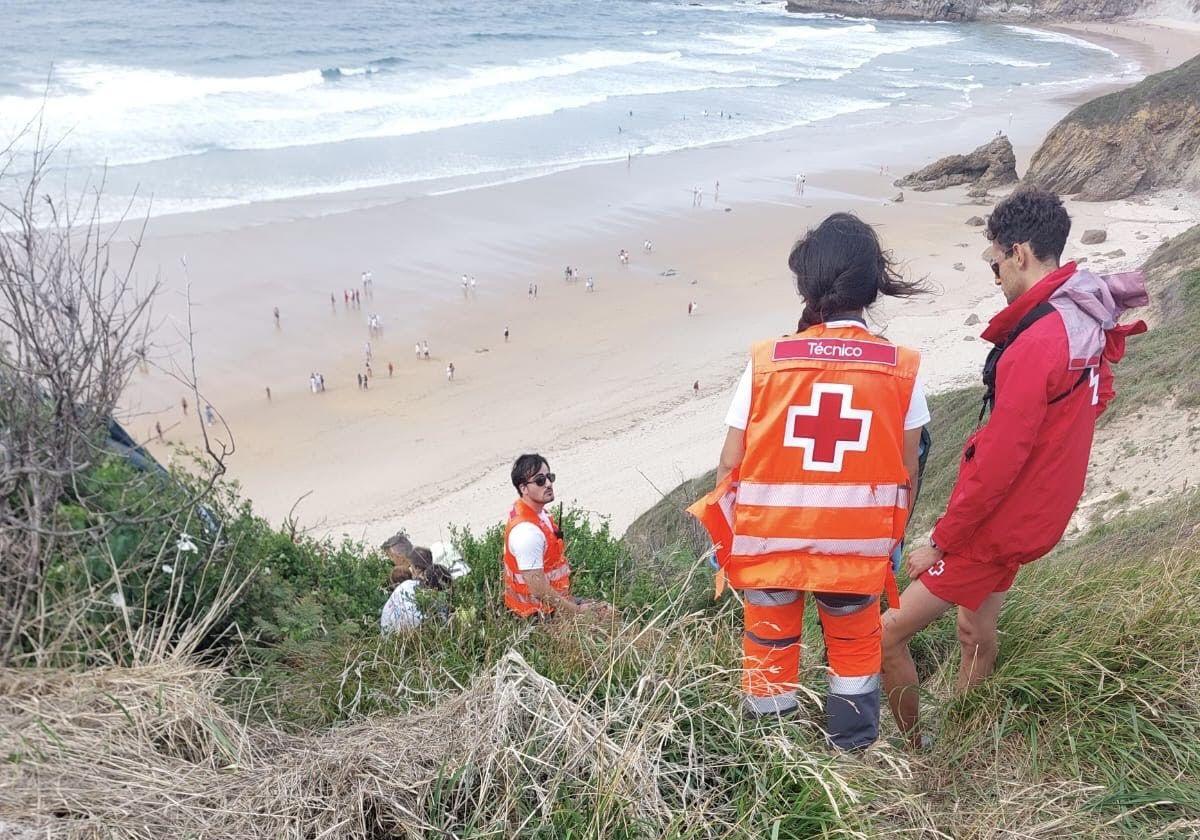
[(537, 576)]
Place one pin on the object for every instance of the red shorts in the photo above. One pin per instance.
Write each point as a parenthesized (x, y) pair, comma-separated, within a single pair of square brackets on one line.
[(965, 582)]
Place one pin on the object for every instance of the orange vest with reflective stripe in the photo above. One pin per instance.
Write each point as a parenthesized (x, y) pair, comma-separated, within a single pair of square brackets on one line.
[(821, 497), (554, 565)]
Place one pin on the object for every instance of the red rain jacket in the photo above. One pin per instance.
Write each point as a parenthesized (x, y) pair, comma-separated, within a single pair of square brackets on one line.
[(1022, 473)]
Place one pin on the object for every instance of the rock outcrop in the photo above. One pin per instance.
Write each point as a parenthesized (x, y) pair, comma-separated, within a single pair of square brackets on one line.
[(968, 10), (1143, 138), (991, 165)]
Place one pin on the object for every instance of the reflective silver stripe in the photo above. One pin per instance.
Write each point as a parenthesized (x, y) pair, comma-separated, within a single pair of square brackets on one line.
[(775, 704), (771, 597), (558, 574), (726, 503), (850, 686), (822, 495), (773, 643), (523, 599), (752, 546), (846, 609)]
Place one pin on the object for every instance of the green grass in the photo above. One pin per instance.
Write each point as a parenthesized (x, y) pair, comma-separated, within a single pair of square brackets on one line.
[(1177, 86)]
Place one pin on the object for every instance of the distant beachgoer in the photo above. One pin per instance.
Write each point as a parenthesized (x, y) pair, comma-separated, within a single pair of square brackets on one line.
[(391, 370), (530, 292), (691, 306), (425, 346), (367, 349), (332, 302), (803, 182), (370, 372), (321, 382), (473, 284), (312, 382), (268, 393), (364, 279), (535, 290), (450, 372), (696, 387), (717, 192), (210, 416), (506, 335), (648, 246), (628, 160), (183, 404), (358, 379), (158, 430), (346, 297), (417, 349), (277, 316), (464, 285), (366, 384), (590, 285)]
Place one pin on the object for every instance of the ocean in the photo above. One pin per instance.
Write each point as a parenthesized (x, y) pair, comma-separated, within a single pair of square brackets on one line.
[(208, 103)]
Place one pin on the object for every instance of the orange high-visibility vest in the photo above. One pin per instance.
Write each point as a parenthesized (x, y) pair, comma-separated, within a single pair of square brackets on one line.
[(554, 565), (821, 497)]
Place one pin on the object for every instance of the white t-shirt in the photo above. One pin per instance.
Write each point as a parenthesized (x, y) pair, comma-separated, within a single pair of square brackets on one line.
[(527, 543), (738, 416), (401, 611)]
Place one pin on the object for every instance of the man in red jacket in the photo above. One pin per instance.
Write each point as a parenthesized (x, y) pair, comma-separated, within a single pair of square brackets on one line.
[(1021, 474)]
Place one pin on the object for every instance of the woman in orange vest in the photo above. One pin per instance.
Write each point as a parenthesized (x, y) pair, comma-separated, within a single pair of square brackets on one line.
[(816, 479)]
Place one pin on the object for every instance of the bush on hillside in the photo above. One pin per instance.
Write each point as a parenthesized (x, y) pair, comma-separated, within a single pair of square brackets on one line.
[(158, 569)]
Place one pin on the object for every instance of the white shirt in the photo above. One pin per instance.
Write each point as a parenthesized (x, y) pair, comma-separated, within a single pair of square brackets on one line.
[(738, 416), (401, 611), (527, 543)]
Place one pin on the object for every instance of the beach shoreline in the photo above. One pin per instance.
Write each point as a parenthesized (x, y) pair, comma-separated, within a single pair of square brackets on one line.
[(600, 382)]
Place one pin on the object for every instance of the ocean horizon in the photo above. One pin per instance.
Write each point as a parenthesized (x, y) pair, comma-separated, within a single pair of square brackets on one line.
[(190, 105)]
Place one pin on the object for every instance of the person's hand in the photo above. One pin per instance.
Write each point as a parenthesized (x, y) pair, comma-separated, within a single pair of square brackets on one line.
[(920, 560), (598, 609)]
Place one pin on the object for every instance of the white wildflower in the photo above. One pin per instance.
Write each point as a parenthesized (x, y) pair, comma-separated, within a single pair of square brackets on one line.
[(185, 544), (168, 569), (117, 600)]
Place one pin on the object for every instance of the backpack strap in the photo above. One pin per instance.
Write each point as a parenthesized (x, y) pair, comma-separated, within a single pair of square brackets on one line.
[(992, 364)]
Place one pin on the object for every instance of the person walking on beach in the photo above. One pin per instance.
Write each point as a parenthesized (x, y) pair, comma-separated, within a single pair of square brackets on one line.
[(1022, 472), (814, 485), (210, 416), (450, 372), (537, 574), (158, 431), (332, 302), (696, 388), (690, 306), (367, 350), (268, 393), (506, 335), (417, 349), (183, 404), (391, 370), (277, 317), (590, 285), (425, 350)]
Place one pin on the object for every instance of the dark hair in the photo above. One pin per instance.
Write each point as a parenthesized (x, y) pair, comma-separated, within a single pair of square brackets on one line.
[(1031, 215), (437, 577), (526, 467), (840, 267)]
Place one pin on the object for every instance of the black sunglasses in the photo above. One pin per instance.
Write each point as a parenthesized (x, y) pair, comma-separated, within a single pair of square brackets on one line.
[(541, 479), (995, 264)]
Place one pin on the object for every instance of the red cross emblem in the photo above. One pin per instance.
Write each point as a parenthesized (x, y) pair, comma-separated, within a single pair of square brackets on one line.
[(828, 427)]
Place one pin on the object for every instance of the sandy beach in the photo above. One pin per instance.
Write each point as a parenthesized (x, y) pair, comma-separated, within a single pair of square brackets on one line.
[(600, 382)]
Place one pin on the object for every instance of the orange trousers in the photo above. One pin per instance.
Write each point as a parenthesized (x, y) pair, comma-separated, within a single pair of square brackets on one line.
[(771, 648)]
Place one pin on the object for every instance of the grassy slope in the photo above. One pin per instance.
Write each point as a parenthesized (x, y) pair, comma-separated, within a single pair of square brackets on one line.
[(1178, 85)]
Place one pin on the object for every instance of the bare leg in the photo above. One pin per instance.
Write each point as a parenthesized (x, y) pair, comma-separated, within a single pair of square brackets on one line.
[(919, 608), (977, 640)]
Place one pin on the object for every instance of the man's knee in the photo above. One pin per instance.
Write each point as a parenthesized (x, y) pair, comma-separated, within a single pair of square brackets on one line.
[(976, 638)]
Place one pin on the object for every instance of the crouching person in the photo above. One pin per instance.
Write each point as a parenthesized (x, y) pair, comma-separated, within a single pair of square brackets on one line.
[(814, 483), (537, 575)]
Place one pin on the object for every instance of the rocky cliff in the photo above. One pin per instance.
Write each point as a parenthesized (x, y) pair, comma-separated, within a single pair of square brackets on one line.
[(1142, 138), (991, 165), (965, 10)]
